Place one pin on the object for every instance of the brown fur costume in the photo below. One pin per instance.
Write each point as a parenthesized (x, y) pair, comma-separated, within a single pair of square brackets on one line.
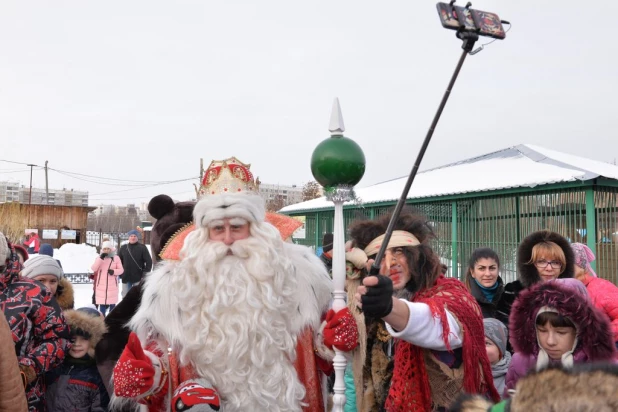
[(171, 217), (584, 388), (12, 393), (587, 387)]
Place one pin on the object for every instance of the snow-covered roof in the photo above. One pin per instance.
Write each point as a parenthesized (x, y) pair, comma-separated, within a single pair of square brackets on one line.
[(524, 165)]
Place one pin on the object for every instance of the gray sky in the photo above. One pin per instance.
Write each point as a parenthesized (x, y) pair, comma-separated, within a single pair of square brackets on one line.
[(141, 89)]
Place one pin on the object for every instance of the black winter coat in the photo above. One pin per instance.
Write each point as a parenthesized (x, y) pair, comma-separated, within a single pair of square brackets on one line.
[(76, 386), (490, 309), (135, 260)]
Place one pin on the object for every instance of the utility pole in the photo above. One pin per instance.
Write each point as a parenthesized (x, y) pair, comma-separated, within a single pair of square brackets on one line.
[(46, 186), (30, 197)]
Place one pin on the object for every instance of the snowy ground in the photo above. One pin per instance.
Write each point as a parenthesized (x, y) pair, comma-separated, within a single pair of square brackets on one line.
[(83, 295), (77, 259)]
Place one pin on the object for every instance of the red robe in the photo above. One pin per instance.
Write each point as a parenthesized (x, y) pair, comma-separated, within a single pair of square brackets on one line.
[(309, 367)]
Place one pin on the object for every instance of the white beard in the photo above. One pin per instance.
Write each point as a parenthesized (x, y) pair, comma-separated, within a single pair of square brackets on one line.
[(231, 318)]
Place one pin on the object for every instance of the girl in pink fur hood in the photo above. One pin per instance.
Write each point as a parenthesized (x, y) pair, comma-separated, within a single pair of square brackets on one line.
[(554, 323)]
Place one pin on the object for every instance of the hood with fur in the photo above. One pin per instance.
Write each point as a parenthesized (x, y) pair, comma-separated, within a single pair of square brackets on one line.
[(93, 325), (65, 295), (594, 332), (528, 274)]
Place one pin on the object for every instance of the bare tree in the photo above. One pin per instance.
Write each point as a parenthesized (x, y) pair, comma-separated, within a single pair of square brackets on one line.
[(276, 203), (311, 190)]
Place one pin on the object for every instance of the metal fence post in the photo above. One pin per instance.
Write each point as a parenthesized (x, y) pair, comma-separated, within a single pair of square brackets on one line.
[(591, 227), (454, 245)]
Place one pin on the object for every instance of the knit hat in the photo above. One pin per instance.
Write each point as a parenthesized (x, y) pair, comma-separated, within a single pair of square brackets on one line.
[(497, 332), (134, 232), (327, 242), (4, 250), (46, 249), (107, 244), (41, 265), (583, 257)]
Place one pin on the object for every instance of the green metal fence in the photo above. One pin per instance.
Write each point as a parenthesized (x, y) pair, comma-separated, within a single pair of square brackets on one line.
[(500, 221)]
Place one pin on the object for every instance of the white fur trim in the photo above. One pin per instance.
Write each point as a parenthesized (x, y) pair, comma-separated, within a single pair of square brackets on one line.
[(217, 207), (315, 286), (321, 349), (158, 368)]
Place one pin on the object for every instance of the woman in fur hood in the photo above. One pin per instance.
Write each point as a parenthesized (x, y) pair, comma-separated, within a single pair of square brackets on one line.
[(541, 256), (555, 323)]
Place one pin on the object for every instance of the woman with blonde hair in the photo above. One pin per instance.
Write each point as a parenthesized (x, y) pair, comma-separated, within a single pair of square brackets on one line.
[(541, 256)]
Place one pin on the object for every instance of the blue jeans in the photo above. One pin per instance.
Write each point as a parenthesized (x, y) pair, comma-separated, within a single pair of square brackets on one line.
[(103, 308), (126, 287)]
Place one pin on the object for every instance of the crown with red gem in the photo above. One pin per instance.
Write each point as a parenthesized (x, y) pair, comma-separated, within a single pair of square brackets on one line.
[(228, 176)]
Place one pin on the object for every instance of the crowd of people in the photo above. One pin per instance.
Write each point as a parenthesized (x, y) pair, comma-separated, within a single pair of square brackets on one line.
[(235, 317)]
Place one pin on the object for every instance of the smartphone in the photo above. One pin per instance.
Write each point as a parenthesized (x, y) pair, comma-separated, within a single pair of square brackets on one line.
[(488, 24), (448, 19), (465, 19), (481, 22)]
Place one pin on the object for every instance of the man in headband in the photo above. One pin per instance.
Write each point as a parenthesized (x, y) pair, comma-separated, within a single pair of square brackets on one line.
[(439, 344), (218, 325)]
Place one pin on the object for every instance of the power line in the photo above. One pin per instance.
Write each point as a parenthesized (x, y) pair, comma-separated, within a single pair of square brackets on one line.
[(147, 186), (17, 163), (142, 197), (70, 174), (96, 182), (107, 178)]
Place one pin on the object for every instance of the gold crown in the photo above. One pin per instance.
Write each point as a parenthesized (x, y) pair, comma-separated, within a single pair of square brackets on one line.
[(228, 176)]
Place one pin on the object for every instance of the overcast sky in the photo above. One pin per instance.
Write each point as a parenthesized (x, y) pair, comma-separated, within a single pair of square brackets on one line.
[(140, 90)]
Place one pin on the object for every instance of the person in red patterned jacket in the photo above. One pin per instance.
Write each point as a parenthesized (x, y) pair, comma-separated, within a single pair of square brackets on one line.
[(39, 330)]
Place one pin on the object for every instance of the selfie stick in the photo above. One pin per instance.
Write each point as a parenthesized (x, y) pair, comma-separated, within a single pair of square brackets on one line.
[(468, 38)]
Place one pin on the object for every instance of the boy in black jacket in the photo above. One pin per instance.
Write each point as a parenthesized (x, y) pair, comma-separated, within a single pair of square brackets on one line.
[(76, 385)]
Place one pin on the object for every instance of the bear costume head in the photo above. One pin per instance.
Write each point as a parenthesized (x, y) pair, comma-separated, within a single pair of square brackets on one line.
[(171, 218)]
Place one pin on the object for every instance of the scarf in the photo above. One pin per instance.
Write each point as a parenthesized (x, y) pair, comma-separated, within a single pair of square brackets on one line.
[(489, 293), (502, 367), (499, 371), (410, 389)]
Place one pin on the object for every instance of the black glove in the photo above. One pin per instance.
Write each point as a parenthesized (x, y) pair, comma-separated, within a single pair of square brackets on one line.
[(103, 255), (378, 302), (110, 271)]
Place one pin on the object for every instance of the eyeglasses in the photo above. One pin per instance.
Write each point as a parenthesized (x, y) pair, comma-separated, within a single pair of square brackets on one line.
[(542, 264)]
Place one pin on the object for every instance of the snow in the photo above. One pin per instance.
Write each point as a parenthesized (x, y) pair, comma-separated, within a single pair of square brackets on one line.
[(519, 166), (83, 295), (596, 167), (76, 258)]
